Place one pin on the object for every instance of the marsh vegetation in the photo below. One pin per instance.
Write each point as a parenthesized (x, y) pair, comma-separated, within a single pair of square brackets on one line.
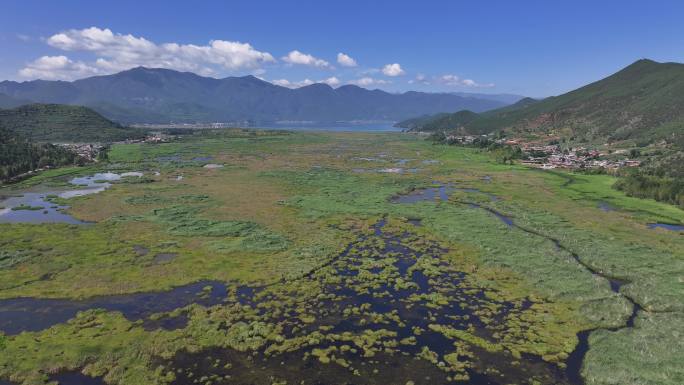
[(304, 260)]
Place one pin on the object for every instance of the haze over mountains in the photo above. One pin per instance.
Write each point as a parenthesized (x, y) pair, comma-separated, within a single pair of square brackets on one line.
[(146, 95)]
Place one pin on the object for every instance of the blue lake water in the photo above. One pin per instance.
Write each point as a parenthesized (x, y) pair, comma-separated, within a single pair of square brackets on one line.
[(383, 126), (44, 211), (49, 212)]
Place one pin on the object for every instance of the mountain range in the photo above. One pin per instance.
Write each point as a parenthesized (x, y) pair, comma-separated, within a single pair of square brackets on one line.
[(643, 103), (153, 95)]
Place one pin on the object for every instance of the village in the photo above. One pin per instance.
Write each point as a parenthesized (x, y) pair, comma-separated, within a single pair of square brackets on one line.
[(90, 151), (553, 156)]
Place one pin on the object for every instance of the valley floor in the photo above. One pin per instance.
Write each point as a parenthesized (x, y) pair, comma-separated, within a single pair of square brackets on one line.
[(268, 257)]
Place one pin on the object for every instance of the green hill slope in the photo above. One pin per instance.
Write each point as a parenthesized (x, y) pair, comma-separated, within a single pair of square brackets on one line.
[(643, 102), (62, 123), (460, 120), (440, 122)]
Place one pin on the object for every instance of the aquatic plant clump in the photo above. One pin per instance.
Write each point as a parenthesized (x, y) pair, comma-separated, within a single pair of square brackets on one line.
[(384, 296), (10, 258)]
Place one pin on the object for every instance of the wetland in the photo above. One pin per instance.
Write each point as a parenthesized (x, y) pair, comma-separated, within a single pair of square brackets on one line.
[(279, 257)]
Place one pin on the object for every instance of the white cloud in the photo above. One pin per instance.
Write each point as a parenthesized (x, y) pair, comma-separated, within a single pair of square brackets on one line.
[(450, 80), (368, 81), (345, 60), (289, 84), (455, 81), (57, 68), (331, 81), (116, 52), (393, 70), (420, 79), (296, 57)]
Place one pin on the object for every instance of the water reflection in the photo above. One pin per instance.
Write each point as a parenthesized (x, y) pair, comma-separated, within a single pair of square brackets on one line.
[(34, 207), (34, 314)]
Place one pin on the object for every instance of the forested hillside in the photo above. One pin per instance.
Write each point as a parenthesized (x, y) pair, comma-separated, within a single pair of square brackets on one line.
[(18, 155), (62, 123)]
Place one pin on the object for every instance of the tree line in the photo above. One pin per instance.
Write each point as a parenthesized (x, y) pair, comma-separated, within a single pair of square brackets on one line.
[(670, 190), (18, 156)]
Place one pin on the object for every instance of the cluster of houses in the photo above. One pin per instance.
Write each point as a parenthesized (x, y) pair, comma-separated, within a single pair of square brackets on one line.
[(552, 156), (87, 151), (464, 139), (151, 138)]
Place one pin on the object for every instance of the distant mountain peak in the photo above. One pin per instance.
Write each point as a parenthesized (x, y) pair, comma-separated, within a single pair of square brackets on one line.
[(350, 88), (142, 69), (320, 86)]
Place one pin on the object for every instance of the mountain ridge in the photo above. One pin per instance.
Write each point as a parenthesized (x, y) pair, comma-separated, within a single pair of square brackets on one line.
[(153, 95), (642, 102)]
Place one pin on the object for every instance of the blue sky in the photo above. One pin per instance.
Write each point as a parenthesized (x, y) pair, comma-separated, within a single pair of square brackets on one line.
[(535, 48)]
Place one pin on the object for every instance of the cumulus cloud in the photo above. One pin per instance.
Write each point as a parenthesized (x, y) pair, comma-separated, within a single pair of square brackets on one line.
[(331, 81), (455, 81), (450, 80), (420, 79), (116, 52), (345, 60), (296, 57), (369, 81), (289, 84), (393, 70), (57, 68)]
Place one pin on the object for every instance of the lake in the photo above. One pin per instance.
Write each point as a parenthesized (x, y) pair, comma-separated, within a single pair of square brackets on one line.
[(374, 126)]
